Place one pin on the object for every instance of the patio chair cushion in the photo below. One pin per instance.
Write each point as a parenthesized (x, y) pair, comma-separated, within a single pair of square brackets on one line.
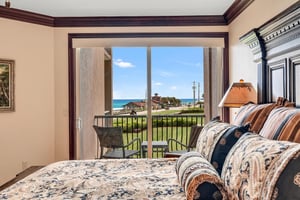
[(198, 177)]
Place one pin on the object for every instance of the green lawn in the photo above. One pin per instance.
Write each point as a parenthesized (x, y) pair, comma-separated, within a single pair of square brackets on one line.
[(159, 135), (163, 128)]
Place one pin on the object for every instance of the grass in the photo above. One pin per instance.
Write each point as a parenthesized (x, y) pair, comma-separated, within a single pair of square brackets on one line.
[(166, 112), (178, 129), (159, 134)]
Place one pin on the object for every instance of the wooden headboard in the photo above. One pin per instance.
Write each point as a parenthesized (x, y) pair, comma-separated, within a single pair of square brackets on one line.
[(276, 49)]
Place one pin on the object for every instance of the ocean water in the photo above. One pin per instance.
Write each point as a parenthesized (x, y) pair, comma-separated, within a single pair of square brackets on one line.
[(119, 103)]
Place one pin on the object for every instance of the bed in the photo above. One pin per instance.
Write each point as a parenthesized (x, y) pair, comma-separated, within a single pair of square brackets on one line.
[(100, 179)]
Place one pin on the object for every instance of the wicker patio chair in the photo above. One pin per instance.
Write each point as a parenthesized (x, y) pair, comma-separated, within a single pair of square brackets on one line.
[(177, 148), (112, 139)]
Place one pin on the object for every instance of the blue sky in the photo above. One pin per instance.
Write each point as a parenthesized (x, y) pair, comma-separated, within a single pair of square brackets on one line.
[(174, 69)]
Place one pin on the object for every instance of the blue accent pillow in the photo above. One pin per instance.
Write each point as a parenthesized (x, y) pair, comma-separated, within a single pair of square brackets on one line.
[(225, 143)]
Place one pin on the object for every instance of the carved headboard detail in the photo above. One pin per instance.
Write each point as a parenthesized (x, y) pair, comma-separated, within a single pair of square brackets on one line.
[(276, 49)]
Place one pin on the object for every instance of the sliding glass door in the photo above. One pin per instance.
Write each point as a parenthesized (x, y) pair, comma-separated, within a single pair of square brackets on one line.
[(150, 80), (212, 70)]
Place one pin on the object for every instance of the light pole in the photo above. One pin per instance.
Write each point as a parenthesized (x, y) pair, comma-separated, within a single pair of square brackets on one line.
[(198, 91), (194, 92)]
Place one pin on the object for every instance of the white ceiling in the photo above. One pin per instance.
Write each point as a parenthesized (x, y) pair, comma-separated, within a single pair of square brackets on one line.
[(80, 8)]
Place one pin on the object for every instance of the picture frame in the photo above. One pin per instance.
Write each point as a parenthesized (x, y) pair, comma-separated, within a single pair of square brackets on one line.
[(7, 75)]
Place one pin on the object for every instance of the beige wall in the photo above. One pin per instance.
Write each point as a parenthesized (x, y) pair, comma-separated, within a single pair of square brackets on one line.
[(27, 135), (37, 132), (240, 57)]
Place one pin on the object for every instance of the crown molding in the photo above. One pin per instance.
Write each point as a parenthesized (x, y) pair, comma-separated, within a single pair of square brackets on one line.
[(235, 9), (139, 21), (211, 20), (25, 16)]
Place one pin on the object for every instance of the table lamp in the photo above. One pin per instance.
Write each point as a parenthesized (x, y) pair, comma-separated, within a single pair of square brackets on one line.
[(238, 94)]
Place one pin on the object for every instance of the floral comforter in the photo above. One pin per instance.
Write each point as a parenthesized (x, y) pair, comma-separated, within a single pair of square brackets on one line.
[(100, 179)]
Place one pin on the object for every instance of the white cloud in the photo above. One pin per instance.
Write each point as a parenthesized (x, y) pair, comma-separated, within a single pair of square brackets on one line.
[(173, 88), (199, 64), (166, 74), (123, 64), (158, 84)]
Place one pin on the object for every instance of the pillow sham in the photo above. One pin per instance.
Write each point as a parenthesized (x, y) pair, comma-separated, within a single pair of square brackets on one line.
[(253, 114), (198, 178), (257, 114), (289, 180), (291, 130), (253, 167), (276, 121)]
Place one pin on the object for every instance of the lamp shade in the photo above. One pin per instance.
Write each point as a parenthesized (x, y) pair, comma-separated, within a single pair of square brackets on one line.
[(239, 94)]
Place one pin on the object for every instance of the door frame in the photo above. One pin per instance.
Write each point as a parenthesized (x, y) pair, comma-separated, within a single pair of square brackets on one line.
[(72, 68)]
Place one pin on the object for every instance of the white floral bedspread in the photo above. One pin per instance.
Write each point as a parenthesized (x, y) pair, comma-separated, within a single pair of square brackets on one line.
[(100, 179)]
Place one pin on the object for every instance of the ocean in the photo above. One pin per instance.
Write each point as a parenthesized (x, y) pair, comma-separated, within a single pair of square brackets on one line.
[(119, 103)]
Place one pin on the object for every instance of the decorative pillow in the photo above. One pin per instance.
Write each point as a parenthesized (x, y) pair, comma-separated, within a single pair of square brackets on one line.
[(291, 130), (253, 167), (257, 114), (289, 180), (216, 140), (253, 114), (243, 113), (198, 178), (225, 143), (281, 101), (276, 121), (184, 157), (209, 136)]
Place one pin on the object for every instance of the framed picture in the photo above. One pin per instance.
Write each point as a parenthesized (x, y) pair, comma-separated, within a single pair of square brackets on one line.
[(7, 72)]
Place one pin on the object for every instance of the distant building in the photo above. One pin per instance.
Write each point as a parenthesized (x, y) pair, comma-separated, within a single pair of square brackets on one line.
[(158, 102), (135, 106), (140, 105), (156, 99)]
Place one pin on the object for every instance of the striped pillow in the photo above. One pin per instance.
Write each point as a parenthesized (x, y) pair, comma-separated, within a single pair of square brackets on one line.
[(291, 130), (253, 114), (276, 121)]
